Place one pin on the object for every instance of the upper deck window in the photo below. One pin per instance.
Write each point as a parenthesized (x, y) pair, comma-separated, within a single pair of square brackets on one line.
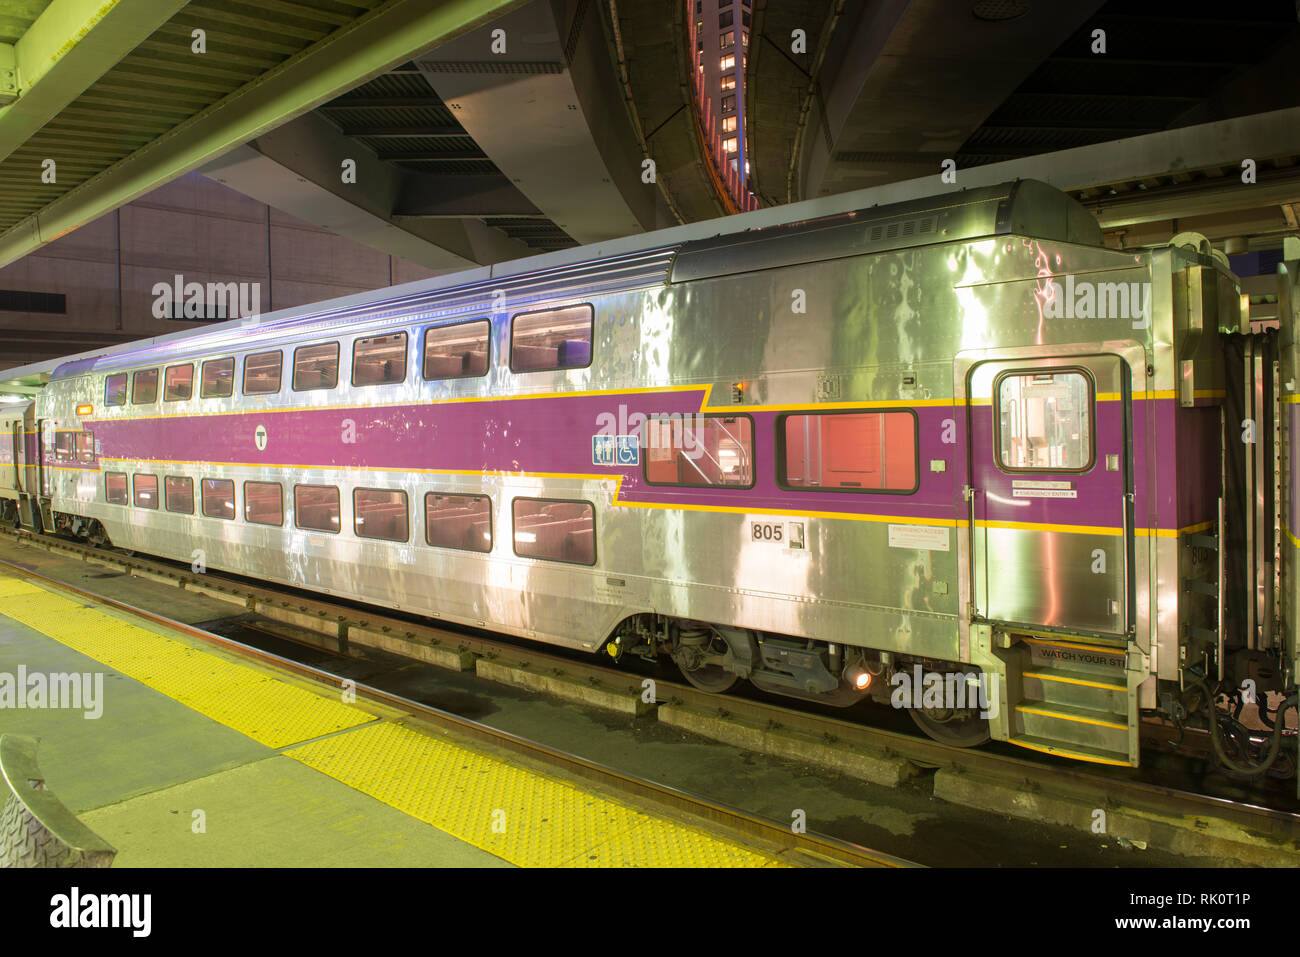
[(849, 451), (553, 339), (144, 387), (218, 379), (457, 351), (262, 373), (115, 389), (178, 383), (316, 367), (379, 360)]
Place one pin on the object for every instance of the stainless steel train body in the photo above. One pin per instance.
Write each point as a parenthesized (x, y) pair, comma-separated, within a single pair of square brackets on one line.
[(956, 436)]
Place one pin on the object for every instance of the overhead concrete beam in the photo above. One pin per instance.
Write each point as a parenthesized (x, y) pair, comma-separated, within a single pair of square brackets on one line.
[(358, 51), (546, 112), (298, 168), (66, 49), (454, 196)]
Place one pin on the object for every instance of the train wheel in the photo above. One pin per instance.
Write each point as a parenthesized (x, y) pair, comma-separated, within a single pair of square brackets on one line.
[(959, 728), (695, 646), (710, 678)]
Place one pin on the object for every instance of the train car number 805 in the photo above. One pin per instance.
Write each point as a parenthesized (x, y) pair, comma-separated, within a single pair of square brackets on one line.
[(767, 531)]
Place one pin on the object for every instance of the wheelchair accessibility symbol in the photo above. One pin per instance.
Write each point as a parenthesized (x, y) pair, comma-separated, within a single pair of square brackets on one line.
[(615, 450)]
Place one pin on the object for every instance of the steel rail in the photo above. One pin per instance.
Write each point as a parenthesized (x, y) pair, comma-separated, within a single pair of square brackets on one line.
[(921, 751)]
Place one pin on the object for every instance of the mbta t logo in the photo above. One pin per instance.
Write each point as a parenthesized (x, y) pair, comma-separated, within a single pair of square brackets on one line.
[(615, 450)]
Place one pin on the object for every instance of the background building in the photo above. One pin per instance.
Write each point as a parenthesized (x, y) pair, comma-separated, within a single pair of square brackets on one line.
[(95, 286)]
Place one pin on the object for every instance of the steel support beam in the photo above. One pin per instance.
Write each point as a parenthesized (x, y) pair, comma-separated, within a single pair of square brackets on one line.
[(68, 47), (372, 44)]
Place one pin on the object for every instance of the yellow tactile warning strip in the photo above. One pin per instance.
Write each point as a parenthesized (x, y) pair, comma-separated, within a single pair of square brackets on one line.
[(522, 816), (250, 701), (517, 814)]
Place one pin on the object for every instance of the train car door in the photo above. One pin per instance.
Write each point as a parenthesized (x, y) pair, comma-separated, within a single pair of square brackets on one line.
[(1050, 493), (45, 455), (17, 437)]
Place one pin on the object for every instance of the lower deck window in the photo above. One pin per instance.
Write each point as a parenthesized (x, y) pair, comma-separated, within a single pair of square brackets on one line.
[(178, 492), (115, 488), (264, 503), (850, 451), (316, 507), (146, 491), (219, 498), (555, 530), (377, 513), (458, 521)]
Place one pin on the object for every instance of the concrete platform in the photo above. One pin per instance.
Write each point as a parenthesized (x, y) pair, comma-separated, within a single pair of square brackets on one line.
[(182, 754)]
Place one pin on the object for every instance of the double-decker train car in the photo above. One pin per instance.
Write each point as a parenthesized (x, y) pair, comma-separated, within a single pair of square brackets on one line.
[(954, 454)]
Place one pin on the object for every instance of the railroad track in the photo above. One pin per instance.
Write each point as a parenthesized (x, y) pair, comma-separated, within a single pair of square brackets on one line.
[(856, 749), (808, 848)]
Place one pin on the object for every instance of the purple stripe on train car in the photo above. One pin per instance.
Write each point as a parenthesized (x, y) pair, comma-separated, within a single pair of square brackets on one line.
[(551, 434), (1155, 495), (1098, 493), (1195, 473)]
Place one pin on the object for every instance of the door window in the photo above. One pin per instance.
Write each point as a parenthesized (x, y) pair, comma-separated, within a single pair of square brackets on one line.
[(1044, 421)]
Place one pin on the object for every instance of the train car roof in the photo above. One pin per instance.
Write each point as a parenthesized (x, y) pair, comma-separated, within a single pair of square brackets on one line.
[(814, 230)]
